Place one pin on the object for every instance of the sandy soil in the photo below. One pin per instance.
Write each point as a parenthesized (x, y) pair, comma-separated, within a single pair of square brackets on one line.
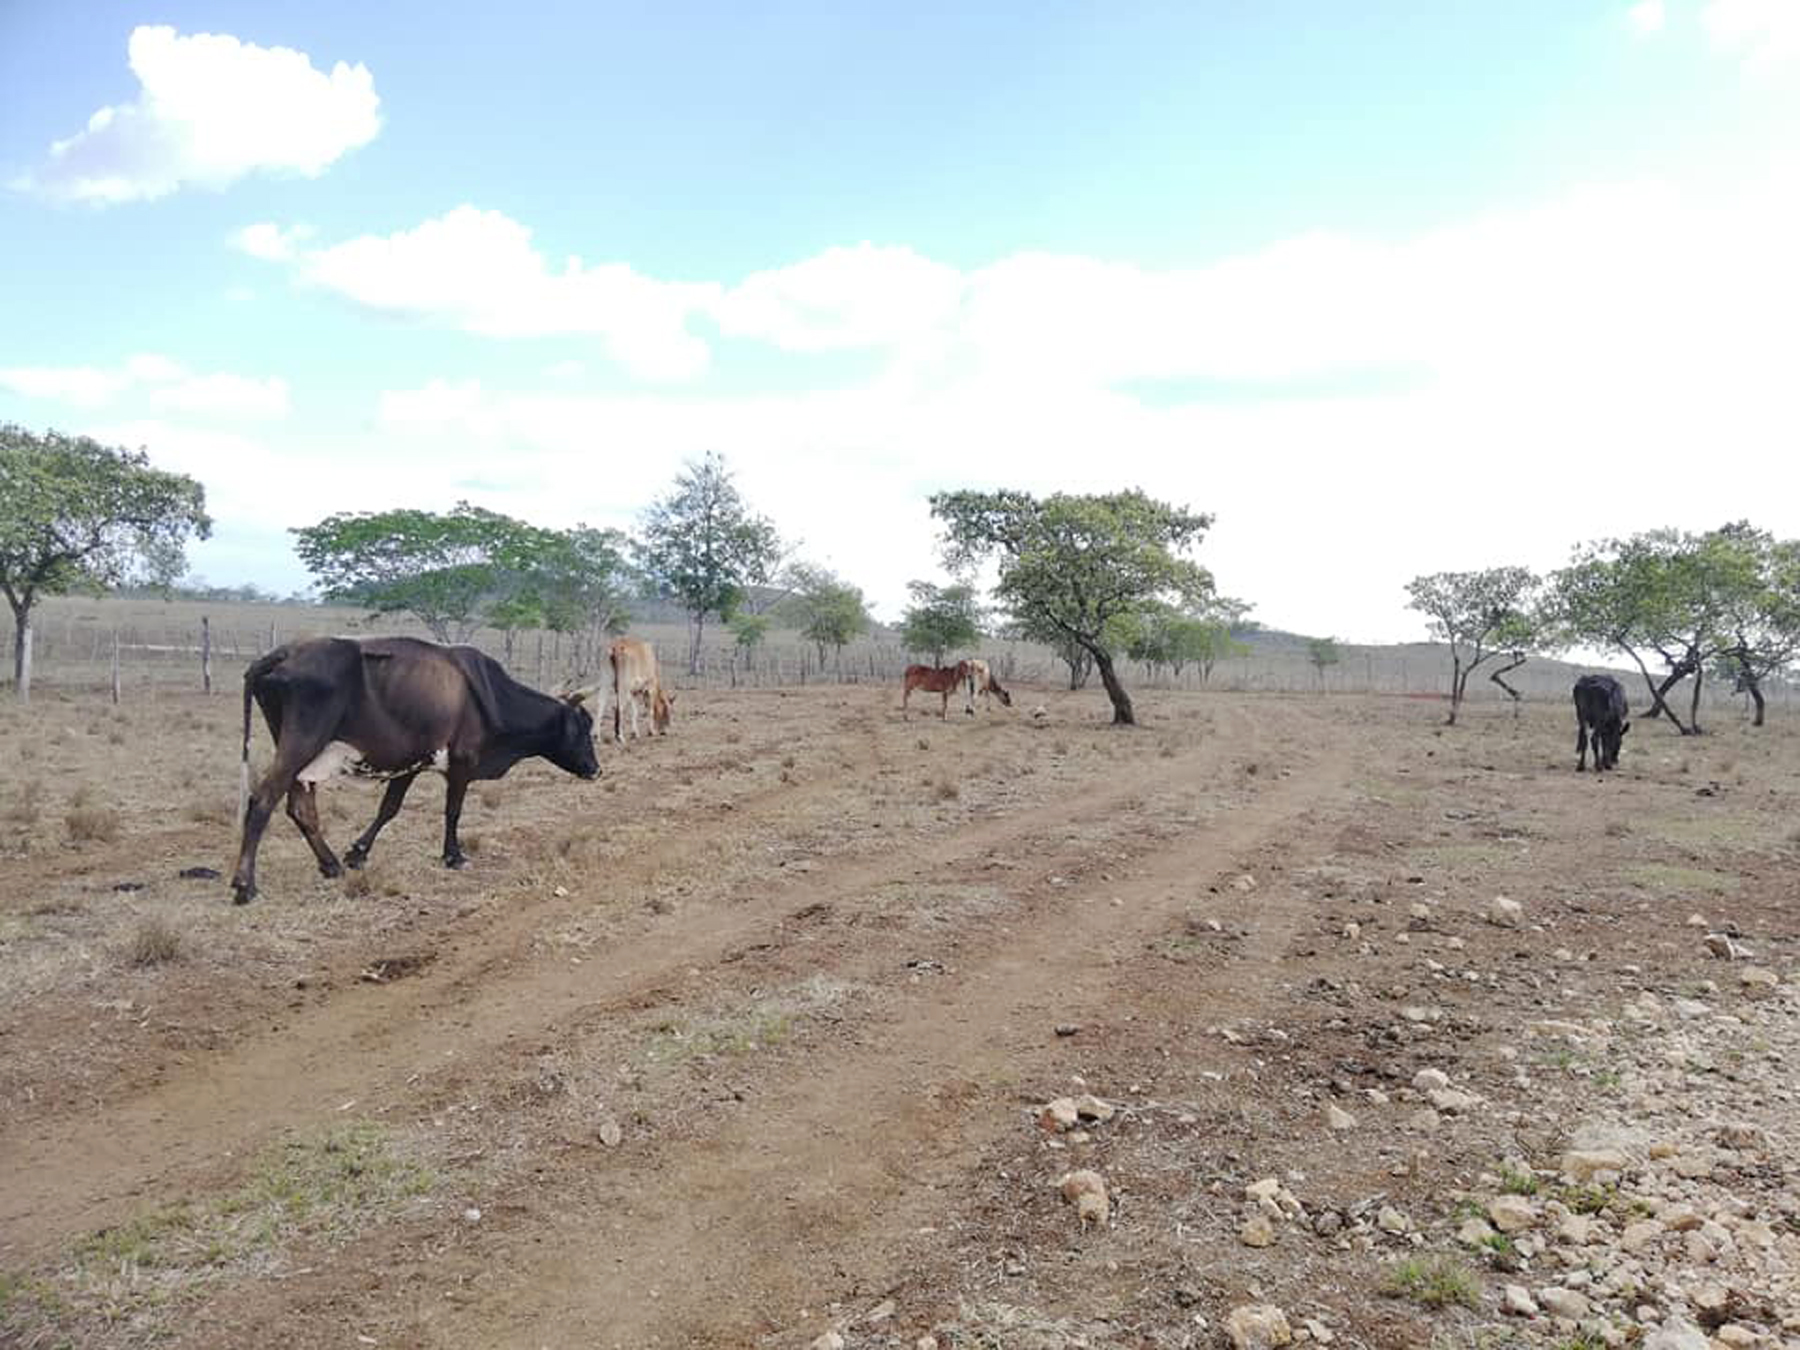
[(747, 1042)]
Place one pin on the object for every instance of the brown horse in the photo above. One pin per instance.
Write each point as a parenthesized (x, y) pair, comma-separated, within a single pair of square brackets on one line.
[(937, 680)]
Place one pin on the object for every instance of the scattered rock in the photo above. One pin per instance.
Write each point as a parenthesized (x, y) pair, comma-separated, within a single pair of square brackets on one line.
[(1559, 1302), (1067, 1028), (1059, 1115), (1428, 1080), (1337, 1118), (1258, 1326), (1758, 981), (1391, 1220), (1505, 913), (1092, 1108), (1243, 882), (1677, 1335), (1517, 1300), (1086, 1190), (1452, 1102), (610, 1132), (1257, 1232), (831, 1340), (1319, 1332), (1511, 1213), (1580, 1165)]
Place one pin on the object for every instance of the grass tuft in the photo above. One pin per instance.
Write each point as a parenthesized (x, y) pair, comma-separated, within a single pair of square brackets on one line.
[(91, 824), (1432, 1282), (153, 943)]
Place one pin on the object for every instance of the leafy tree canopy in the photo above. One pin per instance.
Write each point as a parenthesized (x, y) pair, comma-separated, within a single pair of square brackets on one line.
[(702, 546), (940, 620), (1075, 565), (75, 514), (1480, 614)]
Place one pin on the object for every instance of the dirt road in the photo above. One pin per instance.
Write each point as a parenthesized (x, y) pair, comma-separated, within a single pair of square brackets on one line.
[(748, 1042)]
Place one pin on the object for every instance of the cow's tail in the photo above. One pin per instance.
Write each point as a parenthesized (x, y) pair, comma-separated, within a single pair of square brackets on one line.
[(258, 668)]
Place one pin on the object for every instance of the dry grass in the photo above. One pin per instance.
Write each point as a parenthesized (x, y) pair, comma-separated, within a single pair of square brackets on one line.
[(153, 943), (947, 790), (91, 824), (491, 796)]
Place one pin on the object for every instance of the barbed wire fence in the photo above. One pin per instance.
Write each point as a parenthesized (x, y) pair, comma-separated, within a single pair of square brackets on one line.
[(133, 650)]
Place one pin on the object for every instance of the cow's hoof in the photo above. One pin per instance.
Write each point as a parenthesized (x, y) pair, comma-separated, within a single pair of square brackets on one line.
[(355, 858), (455, 861), (242, 894), (331, 870)]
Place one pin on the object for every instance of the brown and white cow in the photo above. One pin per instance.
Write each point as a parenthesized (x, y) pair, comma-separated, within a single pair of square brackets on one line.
[(391, 708), (936, 680), (636, 678), (982, 682)]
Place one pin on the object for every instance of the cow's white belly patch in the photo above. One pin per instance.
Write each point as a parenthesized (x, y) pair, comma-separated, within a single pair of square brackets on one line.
[(342, 759)]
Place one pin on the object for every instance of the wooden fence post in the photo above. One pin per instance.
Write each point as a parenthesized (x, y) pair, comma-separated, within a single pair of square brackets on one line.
[(205, 654)]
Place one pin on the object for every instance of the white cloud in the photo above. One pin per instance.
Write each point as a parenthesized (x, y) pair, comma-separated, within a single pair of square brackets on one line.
[(271, 242), (210, 110), (1764, 33), (1636, 323), (166, 384), (843, 298), (479, 271), (1647, 18)]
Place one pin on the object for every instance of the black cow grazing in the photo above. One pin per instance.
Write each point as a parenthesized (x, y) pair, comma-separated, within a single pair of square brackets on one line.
[(1600, 711), (392, 708)]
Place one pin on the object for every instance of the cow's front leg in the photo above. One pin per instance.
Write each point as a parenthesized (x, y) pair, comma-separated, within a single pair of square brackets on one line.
[(456, 787)]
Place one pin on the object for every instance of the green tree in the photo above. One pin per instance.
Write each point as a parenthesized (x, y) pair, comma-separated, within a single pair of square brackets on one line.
[(583, 581), (1074, 565), (1664, 592), (940, 620), (702, 547), (1761, 630), (75, 514), (1479, 614), (830, 612), (452, 571), (748, 631), (1322, 652)]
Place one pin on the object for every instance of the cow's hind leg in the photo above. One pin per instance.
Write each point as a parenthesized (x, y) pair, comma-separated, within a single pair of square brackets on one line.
[(456, 787), (389, 808), (1581, 745), (303, 810)]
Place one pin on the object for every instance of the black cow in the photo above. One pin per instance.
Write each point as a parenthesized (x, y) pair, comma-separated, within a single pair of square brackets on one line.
[(1600, 711), (392, 708)]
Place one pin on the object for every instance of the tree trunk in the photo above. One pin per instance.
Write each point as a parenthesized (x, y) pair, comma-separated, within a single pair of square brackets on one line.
[(699, 633), (22, 658), (1456, 688), (1121, 701), (1694, 706), (1659, 706), (1497, 677), (1756, 696)]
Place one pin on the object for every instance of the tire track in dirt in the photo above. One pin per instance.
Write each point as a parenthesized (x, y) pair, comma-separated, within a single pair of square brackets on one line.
[(62, 1177), (846, 1156)]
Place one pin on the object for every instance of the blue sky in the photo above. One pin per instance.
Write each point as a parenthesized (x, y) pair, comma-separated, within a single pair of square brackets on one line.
[(1365, 284)]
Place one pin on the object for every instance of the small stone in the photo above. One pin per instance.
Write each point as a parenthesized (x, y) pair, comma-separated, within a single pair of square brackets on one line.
[(610, 1132), (471, 1215), (1337, 1118), (1059, 1115), (1676, 1335), (1424, 1119), (1318, 1331), (1257, 1232), (1391, 1220), (1266, 1189), (1638, 1236), (1243, 882), (1511, 1213), (1504, 913), (1427, 1080), (1092, 1108), (1067, 1028), (1421, 913), (1758, 981), (1086, 1190), (1258, 1326), (1742, 1136), (926, 1342), (1680, 1218), (1710, 1298), (1575, 1229), (1736, 1336), (1328, 1223), (880, 1312), (1579, 1165), (1452, 1102), (1474, 1232), (831, 1340), (1567, 1303), (1518, 1301)]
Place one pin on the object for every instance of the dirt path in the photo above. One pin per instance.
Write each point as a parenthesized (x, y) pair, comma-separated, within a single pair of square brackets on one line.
[(62, 1177)]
